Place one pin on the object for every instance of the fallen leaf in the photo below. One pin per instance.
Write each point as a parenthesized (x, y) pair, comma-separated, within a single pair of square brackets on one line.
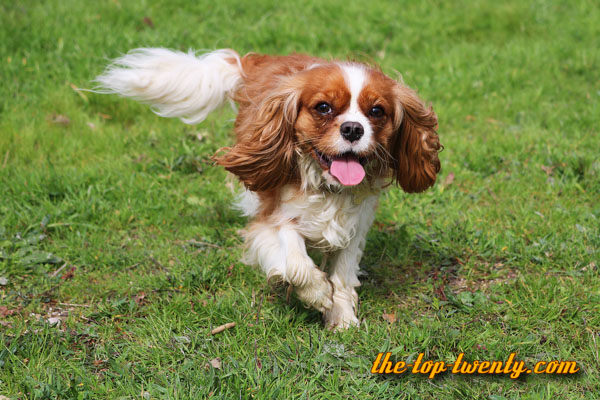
[(229, 271), (5, 311), (470, 118), (69, 274), (59, 119), (215, 363), (139, 298), (140, 158), (440, 287), (91, 125), (3, 281), (391, 318), (448, 180), (104, 116), (54, 321), (591, 265), (547, 170), (148, 21)]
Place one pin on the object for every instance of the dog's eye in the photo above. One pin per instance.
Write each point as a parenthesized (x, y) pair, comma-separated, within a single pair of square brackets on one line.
[(376, 112), (323, 108)]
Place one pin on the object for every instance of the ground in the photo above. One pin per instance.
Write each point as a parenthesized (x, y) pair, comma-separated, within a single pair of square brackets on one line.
[(120, 252)]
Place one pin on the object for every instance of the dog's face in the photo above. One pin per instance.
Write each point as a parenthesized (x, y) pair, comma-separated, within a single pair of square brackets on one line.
[(346, 120), (353, 121)]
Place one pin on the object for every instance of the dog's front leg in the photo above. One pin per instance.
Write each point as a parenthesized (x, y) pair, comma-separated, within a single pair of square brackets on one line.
[(281, 253), (345, 299), (344, 272)]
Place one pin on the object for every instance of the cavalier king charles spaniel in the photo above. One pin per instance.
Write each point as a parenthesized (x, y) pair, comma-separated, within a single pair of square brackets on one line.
[(316, 143)]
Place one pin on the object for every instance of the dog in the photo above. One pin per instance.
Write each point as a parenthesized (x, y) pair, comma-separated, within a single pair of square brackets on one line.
[(316, 143)]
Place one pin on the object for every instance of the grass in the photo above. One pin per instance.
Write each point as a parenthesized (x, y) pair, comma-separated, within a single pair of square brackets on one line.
[(501, 256)]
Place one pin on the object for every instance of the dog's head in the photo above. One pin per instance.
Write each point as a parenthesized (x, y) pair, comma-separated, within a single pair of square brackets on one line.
[(352, 121)]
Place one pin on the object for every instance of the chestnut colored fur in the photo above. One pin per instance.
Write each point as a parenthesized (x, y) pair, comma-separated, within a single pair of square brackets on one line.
[(309, 181), (416, 145), (271, 100), (264, 155)]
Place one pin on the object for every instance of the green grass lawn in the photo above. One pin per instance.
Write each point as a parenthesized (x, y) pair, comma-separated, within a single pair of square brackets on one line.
[(114, 221)]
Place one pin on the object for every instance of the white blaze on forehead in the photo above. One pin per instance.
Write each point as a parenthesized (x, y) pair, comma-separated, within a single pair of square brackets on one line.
[(355, 76), (355, 79)]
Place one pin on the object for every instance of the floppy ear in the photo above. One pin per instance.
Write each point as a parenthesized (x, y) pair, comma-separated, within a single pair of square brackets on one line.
[(416, 144), (264, 157)]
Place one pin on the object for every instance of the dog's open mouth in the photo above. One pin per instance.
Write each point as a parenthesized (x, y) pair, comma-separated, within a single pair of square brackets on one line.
[(348, 168)]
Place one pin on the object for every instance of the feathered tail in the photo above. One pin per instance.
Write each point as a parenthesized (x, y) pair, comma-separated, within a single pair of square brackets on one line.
[(174, 83)]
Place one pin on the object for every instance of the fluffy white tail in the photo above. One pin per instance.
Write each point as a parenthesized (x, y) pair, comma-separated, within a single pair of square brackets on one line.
[(176, 84)]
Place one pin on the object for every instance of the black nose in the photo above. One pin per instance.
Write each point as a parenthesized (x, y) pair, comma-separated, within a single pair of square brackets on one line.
[(351, 131)]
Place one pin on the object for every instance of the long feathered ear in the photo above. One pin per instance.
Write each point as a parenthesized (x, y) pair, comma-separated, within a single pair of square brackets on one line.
[(416, 144), (264, 157)]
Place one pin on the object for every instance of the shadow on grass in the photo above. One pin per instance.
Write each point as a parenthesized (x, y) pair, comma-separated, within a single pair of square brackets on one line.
[(395, 259), (394, 262)]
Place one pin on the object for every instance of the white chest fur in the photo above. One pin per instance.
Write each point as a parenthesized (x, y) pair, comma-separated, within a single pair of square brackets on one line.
[(327, 220)]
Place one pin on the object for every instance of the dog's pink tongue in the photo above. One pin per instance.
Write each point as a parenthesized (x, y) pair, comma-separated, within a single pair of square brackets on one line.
[(347, 170)]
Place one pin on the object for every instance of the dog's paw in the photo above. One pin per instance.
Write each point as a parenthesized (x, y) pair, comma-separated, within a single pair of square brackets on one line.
[(316, 292), (342, 314)]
